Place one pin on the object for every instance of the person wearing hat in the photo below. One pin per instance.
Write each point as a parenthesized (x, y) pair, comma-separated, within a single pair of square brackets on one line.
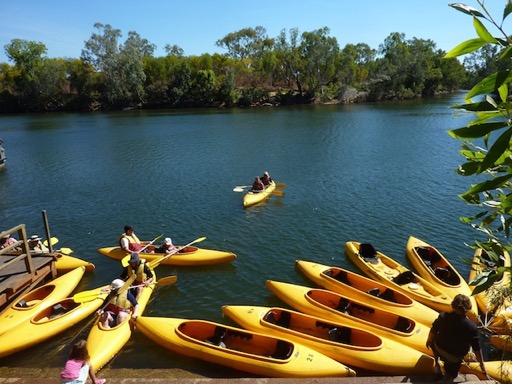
[(266, 179), (138, 267), (119, 306), (451, 337), (36, 246), (257, 185), (7, 241), (167, 246)]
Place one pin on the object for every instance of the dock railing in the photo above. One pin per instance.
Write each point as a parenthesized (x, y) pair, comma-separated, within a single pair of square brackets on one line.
[(20, 233)]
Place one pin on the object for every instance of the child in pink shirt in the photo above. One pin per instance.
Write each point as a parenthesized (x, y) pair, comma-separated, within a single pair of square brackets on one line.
[(77, 367)]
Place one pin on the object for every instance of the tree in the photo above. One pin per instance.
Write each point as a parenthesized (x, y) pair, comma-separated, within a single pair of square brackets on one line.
[(246, 43), (486, 143)]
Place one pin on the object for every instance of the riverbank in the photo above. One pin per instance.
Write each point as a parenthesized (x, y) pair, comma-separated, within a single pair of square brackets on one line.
[(177, 376)]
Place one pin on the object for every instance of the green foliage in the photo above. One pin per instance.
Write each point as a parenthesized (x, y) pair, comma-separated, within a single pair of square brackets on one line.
[(486, 141), (294, 67)]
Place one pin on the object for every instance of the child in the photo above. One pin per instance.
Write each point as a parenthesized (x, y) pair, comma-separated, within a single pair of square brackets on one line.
[(77, 367)]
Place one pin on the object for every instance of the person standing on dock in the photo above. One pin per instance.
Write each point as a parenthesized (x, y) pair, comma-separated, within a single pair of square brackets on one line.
[(451, 337)]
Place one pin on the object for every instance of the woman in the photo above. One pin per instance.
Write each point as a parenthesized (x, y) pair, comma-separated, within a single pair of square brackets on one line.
[(451, 337), (77, 366)]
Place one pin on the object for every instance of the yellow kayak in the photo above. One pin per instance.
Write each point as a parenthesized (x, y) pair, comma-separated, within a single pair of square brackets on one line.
[(189, 256), (66, 263), (369, 291), (247, 351), (352, 313), (38, 299), (394, 275), (500, 370), (251, 198), (434, 267), (348, 345), (48, 322), (103, 344)]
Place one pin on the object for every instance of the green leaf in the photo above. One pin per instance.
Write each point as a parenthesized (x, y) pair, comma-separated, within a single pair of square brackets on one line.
[(507, 10), (467, 46), (503, 91), (490, 83), (468, 169), (476, 131), (466, 9), (482, 32), (497, 149), (506, 54), (476, 107), (487, 185)]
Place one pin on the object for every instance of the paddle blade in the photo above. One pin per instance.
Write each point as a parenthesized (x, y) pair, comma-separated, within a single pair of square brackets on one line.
[(281, 185), (85, 296), (66, 251), (124, 260), (278, 193), (237, 189), (197, 241), (53, 241), (167, 280)]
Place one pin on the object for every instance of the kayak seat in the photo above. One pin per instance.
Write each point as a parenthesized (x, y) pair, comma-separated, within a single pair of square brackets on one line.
[(283, 320), (340, 276), (388, 295), (22, 304), (405, 277), (57, 310), (343, 306), (368, 253), (446, 275), (363, 308), (218, 337), (403, 325), (340, 335), (374, 292), (428, 255), (283, 350)]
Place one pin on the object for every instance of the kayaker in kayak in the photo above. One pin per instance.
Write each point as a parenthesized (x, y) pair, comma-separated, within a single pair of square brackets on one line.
[(137, 267), (167, 246), (266, 179), (129, 242), (119, 306), (257, 185), (77, 366)]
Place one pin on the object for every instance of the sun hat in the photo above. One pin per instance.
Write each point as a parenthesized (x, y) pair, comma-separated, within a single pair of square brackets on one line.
[(134, 257), (168, 241), (34, 238), (117, 283)]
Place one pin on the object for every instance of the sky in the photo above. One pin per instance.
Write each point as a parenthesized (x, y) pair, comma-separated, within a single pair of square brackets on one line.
[(195, 25)]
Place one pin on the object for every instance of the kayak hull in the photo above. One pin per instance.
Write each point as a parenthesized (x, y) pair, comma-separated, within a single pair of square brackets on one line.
[(349, 345), (190, 256), (252, 198), (389, 272), (38, 299), (361, 288), (103, 344), (352, 313), (240, 349)]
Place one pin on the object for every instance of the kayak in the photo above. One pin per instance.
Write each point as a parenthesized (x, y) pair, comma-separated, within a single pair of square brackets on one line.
[(394, 275), (38, 299), (369, 291), (189, 256), (480, 260), (434, 267), (352, 313), (104, 343), (348, 345), (251, 198), (244, 350), (500, 370), (503, 342), (66, 263), (59, 316)]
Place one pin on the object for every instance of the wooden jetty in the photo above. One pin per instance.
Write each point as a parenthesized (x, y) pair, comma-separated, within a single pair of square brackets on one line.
[(22, 271)]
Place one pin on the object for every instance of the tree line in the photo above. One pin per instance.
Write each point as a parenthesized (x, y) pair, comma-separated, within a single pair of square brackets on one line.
[(256, 69)]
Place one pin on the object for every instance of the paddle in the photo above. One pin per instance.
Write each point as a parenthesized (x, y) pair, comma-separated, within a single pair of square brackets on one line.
[(53, 241), (124, 260), (86, 296), (240, 188), (156, 262)]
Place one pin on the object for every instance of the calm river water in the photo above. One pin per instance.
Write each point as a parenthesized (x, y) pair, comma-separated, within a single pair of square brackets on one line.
[(371, 173)]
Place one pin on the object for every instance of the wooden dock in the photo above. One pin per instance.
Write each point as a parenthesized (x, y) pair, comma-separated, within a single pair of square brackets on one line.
[(21, 271)]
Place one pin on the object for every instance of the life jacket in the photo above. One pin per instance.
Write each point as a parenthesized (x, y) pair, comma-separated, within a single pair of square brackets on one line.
[(133, 239), (119, 303), (139, 272)]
